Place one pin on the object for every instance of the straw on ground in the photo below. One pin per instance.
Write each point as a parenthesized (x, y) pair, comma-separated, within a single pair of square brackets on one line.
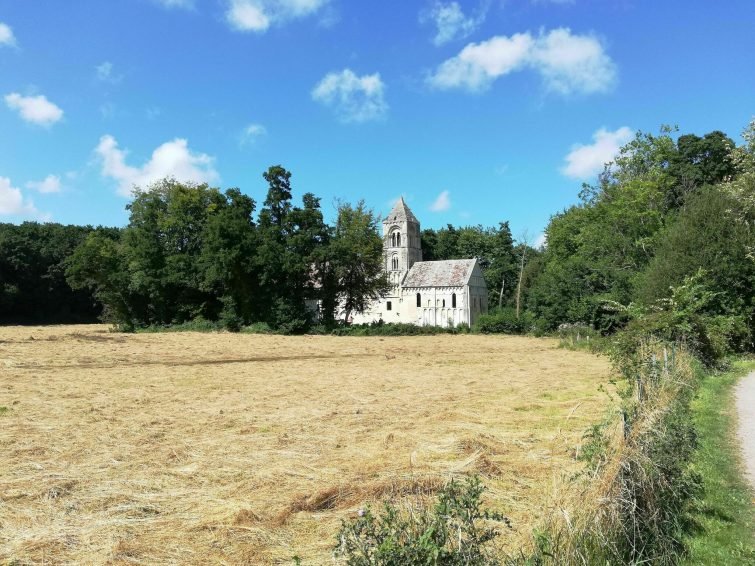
[(222, 448)]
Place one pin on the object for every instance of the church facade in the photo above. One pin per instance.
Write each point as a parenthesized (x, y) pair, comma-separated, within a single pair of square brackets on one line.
[(426, 293)]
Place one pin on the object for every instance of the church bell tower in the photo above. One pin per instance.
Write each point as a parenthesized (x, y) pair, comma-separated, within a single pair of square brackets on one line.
[(401, 242)]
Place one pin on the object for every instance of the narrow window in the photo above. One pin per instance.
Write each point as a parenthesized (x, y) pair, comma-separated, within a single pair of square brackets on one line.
[(393, 239), (388, 306), (398, 239), (453, 301), (419, 300), (444, 303)]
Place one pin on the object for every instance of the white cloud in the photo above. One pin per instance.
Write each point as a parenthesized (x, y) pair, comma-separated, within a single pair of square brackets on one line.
[(252, 133), (171, 159), (541, 241), (13, 203), (6, 35), (259, 15), (105, 73), (584, 161), (568, 63), (442, 203), (451, 23), (185, 4), (50, 184), (35, 109), (355, 99)]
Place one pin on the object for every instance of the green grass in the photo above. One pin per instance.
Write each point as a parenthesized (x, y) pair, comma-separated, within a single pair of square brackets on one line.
[(725, 513)]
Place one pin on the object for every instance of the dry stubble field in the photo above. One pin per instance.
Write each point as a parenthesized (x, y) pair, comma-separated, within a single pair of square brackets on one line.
[(227, 449)]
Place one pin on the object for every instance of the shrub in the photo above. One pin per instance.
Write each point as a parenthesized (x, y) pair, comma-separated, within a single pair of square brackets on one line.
[(455, 531), (396, 329), (505, 321), (257, 328)]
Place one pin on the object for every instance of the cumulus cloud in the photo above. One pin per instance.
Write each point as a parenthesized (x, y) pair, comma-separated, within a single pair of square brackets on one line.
[(6, 35), (50, 184), (442, 203), (354, 99), (13, 203), (568, 63), (451, 23), (586, 160), (171, 159), (541, 241), (35, 109), (259, 15), (252, 133)]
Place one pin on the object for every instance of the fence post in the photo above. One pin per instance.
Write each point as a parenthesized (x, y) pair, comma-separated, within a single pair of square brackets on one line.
[(654, 368), (639, 387), (625, 422), (665, 360)]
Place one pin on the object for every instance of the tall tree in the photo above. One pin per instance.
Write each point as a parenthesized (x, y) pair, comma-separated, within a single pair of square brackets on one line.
[(356, 259)]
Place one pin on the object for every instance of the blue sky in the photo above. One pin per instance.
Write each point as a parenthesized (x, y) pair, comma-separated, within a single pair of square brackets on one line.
[(476, 111)]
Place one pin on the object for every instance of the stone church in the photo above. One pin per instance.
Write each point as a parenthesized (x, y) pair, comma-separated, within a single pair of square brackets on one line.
[(426, 293)]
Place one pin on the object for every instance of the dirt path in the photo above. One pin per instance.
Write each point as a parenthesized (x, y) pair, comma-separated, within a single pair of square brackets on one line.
[(745, 399)]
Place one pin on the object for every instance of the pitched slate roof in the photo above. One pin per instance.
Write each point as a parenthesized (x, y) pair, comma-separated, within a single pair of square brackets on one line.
[(401, 212), (448, 273)]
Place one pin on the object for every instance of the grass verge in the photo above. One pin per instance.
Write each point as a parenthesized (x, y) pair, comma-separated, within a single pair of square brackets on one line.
[(725, 514)]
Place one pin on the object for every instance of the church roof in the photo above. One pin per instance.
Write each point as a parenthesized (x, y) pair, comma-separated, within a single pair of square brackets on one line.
[(448, 273), (401, 212)]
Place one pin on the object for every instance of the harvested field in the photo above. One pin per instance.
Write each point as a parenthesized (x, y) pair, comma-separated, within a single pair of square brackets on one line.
[(226, 448)]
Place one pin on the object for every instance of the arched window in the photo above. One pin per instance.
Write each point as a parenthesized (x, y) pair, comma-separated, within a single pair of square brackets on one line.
[(444, 303), (393, 240), (398, 239), (453, 301), (419, 300), (394, 263)]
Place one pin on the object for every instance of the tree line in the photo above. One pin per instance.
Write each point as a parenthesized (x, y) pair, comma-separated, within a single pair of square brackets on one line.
[(669, 220), (665, 239)]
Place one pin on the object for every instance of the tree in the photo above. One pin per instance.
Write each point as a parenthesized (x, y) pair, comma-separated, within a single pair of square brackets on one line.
[(33, 287), (289, 252), (356, 259)]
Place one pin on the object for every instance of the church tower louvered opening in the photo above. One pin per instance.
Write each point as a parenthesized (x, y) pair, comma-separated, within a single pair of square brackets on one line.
[(401, 242)]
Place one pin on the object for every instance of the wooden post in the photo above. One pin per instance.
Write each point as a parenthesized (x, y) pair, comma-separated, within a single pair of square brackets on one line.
[(654, 368)]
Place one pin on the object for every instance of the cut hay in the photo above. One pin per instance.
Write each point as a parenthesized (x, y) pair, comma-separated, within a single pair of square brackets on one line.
[(223, 448)]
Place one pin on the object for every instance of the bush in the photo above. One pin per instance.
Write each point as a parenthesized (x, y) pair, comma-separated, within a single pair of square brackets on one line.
[(395, 329), (257, 328), (505, 321), (454, 531), (197, 325)]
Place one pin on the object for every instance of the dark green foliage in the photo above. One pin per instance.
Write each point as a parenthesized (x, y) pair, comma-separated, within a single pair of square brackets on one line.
[(193, 253), (455, 531), (355, 261), (665, 209), (505, 321), (33, 287), (183, 256), (391, 329), (706, 234)]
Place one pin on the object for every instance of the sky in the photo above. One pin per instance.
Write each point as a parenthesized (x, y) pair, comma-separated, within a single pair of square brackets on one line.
[(476, 111)]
